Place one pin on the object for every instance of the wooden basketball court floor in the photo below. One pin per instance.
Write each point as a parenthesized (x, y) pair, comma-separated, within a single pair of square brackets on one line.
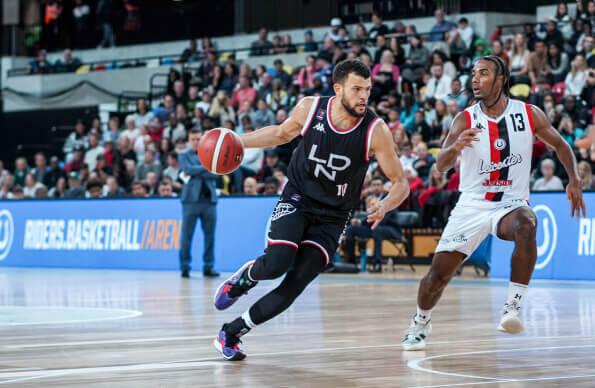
[(97, 328)]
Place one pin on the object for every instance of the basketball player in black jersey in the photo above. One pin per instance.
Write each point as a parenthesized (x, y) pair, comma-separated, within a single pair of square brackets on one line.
[(490, 80), (325, 177)]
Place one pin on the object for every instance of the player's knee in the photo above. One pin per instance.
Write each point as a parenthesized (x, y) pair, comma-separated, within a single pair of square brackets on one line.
[(526, 227), (279, 259), (438, 279)]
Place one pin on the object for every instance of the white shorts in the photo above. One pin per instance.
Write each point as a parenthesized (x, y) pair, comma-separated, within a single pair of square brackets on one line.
[(469, 224)]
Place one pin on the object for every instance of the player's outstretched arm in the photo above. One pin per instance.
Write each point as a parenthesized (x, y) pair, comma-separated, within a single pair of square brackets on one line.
[(547, 133), (383, 148), (457, 139), (275, 135)]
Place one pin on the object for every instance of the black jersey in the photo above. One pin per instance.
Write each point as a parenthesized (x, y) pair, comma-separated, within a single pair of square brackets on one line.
[(329, 165)]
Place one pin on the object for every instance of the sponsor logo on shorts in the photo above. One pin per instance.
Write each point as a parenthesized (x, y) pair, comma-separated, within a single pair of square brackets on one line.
[(511, 160), (283, 209), (460, 238)]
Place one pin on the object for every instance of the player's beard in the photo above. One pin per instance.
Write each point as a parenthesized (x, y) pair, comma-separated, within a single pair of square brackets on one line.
[(351, 110)]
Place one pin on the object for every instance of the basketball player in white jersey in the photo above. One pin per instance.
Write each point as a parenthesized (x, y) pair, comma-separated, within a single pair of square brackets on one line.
[(494, 140)]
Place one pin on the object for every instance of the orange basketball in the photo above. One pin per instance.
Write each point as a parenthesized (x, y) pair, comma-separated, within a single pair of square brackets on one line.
[(220, 151)]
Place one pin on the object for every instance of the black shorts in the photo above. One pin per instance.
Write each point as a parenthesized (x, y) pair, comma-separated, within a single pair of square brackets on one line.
[(294, 223)]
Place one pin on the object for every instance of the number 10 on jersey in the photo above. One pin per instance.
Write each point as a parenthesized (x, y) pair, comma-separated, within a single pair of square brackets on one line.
[(341, 190)]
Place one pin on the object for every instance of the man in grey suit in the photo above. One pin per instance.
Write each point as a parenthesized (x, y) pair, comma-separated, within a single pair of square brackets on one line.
[(199, 200)]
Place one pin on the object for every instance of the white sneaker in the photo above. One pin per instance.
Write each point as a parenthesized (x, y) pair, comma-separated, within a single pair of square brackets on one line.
[(511, 322), (416, 334)]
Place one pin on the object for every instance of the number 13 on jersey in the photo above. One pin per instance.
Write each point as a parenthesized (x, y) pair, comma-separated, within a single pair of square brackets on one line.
[(341, 190)]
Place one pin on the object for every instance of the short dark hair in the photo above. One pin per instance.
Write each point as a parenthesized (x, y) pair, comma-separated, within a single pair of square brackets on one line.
[(195, 131), (348, 66)]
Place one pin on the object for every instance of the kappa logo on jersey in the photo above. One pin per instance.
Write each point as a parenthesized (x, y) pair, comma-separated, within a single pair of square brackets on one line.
[(330, 166), (499, 144), (281, 210), (479, 126), (509, 161), (320, 127)]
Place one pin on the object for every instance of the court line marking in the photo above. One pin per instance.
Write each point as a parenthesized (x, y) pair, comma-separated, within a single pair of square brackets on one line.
[(211, 361), (415, 364), (210, 337), (125, 315), (520, 380)]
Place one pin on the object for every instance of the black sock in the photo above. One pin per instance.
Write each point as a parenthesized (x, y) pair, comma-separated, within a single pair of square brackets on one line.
[(236, 328)]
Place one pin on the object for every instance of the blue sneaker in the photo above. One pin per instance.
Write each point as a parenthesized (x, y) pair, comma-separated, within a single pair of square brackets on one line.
[(228, 346), (233, 287)]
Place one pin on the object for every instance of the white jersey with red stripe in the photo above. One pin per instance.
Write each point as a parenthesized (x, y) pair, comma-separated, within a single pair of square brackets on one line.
[(498, 166)]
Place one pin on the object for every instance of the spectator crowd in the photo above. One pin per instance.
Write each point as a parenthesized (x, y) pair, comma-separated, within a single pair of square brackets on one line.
[(420, 82)]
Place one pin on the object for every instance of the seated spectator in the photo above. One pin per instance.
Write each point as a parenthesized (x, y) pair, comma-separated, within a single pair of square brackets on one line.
[(94, 189), (3, 173), (190, 54), (142, 116), (6, 187), (408, 108), (498, 50), (309, 43), (262, 116), (41, 171), (465, 31), (482, 49), (288, 44), (548, 181), (431, 200), (245, 93), (102, 169), (17, 193), (175, 130), (378, 27), (421, 126), (179, 93), (112, 189), (131, 131), (41, 193), (280, 73), (441, 27), (438, 86), (250, 186), (278, 47), (280, 174), (552, 34), (271, 186), (251, 163), (586, 175), (388, 229), (20, 171), (563, 20), (55, 172), (262, 46), (457, 94), (558, 63), (588, 49), (519, 60), (407, 156), (94, 150), (31, 185), (75, 188), (152, 181), (417, 58), (165, 190), (173, 170), (41, 64), (277, 99), (415, 182), (68, 64), (77, 138), (385, 76), (538, 66), (424, 161), (140, 189), (162, 112), (113, 132), (577, 77), (150, 164)]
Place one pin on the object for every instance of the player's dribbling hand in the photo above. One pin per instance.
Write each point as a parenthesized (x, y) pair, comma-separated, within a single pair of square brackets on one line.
[(575, 196), (466, 138), (376, 213)]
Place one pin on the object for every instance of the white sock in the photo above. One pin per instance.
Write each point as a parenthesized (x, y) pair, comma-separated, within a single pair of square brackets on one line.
[(516, 293), (423, 316)]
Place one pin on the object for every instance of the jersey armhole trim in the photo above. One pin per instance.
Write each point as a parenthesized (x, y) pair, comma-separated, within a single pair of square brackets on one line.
[(468, 118), (369, 134), (310, 116), (530, 117)]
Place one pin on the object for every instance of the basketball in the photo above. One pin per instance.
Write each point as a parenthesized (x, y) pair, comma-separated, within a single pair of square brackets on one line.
[(220, 151)]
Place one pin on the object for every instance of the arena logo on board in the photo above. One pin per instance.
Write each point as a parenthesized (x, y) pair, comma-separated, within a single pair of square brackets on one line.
[(586, 237), (6, 233), (549, 228), (101, 234)]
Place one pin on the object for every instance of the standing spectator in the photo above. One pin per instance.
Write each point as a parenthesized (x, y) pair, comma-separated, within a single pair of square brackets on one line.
[(82, 20), (262, 116), (245, 93), (577, 77), (309, 44), (548, 182), (41, 170), (77, 138), (53, 21), (20, 171), (439, 84), (378, 28), (105, 21), (262, 46), (441, 27), (199, 200), (148, 165), (93, 151)]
